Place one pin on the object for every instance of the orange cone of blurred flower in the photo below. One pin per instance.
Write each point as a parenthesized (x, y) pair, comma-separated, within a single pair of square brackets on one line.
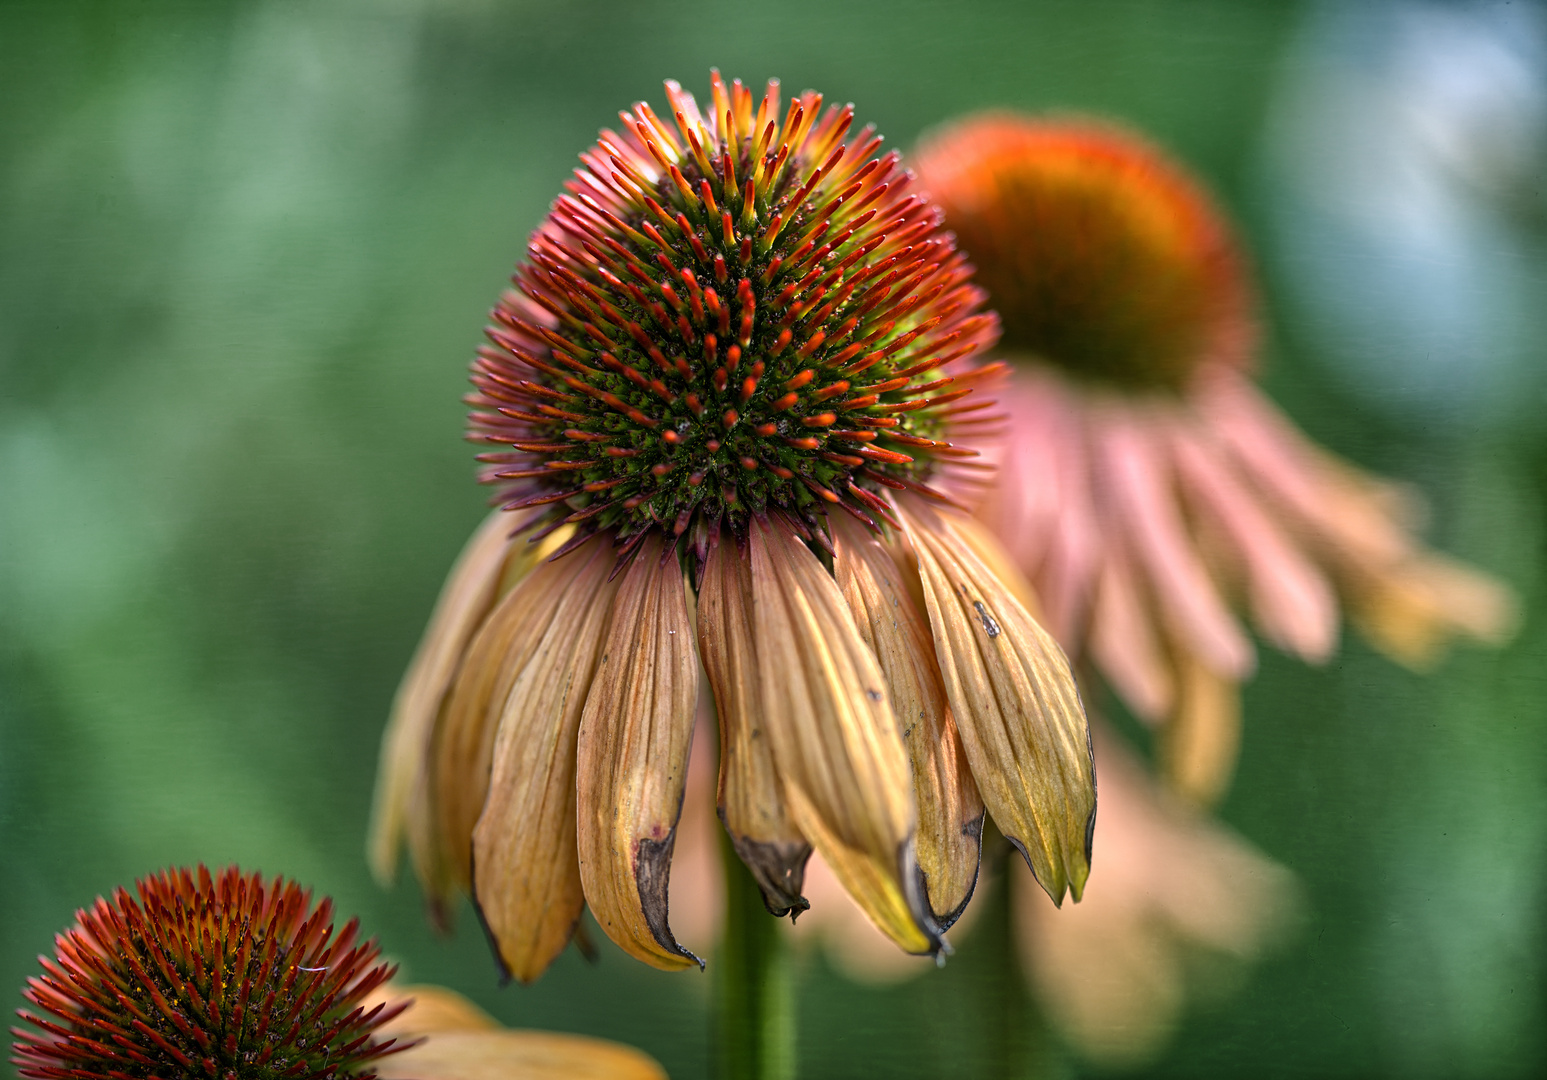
[(1149, 490), (718, 408)]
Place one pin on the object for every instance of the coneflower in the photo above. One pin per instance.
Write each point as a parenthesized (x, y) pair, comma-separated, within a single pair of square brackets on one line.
[(1148, 488), (199, 975), (731, 376)]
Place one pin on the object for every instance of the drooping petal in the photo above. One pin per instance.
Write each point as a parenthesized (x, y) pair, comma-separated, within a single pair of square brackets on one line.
[(991, 552), (1291, 599), (526, 871), (836, 744), (1276, 460), (462, 749), (1407, 599), (1074, 554), (751, 800), (1202, 737), (635, 735), (1410, 610), (1123, 640), (697, 888), (464, 601), (1143, 507), (1025, 512), (1015, 703), (950, 811)]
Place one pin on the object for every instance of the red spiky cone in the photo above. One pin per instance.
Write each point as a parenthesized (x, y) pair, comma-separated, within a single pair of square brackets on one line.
[(219, 976), (737, 316)]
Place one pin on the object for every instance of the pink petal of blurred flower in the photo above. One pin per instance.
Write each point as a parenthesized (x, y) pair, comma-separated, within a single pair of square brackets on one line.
[(1171, 887)]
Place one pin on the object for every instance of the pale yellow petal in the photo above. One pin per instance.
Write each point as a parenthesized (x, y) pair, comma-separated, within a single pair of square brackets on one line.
[(1014, 700), (464, 601), (633, 758), (1411, 610), (751, 800), (990, 549), (518, 1055), (434, 1009), (526, 873), (1202, 738), (462, 749), (950, 811), (836, 744)]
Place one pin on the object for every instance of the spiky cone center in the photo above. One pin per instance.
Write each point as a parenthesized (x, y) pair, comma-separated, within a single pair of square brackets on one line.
[(195, 976), (729, 315), (1101, 255)]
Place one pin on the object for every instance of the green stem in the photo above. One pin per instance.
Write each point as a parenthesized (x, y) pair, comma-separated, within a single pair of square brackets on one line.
[(753, 985), (1016, 1041)]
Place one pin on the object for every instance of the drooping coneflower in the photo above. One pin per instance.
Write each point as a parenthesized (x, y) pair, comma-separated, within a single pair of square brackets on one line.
[(1149, 489), (197, 975), (730, 374)]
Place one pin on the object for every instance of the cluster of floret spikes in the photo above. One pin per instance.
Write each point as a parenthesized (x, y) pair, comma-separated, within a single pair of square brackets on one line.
[(739, 315), (218, 977)]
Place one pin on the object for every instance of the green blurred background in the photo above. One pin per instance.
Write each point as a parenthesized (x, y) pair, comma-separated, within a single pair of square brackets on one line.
[(245, 254)]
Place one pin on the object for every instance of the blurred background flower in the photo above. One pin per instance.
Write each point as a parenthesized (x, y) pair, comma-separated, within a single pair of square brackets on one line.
[(242, 247)]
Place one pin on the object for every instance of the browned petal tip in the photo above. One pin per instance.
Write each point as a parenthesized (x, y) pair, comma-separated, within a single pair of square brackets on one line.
[(751, 798), (950, 810), (514, 774), (779, 870), (836, 744), (1013, 698), (632, 757)]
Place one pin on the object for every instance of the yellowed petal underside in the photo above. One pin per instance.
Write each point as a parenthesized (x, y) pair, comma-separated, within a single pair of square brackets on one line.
[(1411, 610), (1015, 704), (751, 801), (635, 736), (950, 811), (518, 1055), (462, 750), (835, 741), (1202, 737), (464, 600), (526, 870), (434, 1009)]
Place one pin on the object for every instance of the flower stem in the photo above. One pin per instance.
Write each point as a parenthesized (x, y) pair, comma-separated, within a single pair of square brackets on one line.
[(1016, 1040), (754, 985)]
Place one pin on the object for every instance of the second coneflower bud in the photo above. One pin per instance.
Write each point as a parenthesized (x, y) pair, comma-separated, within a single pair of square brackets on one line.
[(206, 976)]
